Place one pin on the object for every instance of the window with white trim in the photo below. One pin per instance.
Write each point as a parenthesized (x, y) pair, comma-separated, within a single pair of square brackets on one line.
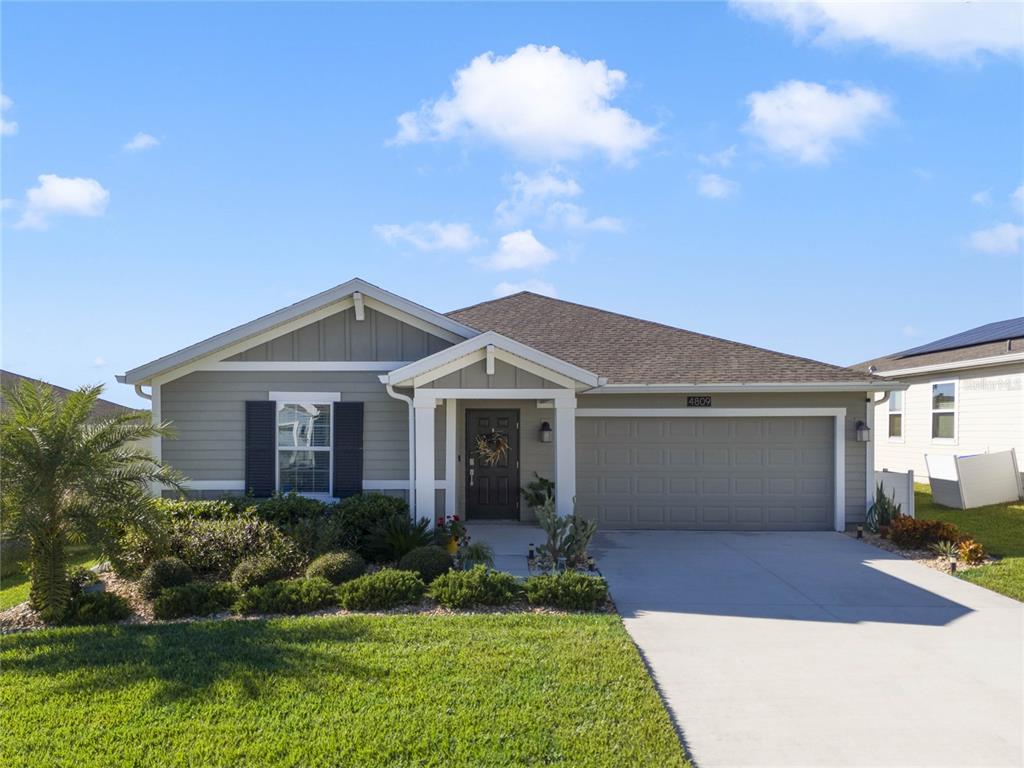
[(304, 447), (896, 416), (944, 411)]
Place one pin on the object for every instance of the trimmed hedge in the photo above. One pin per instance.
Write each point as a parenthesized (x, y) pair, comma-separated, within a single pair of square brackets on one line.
[(571, 590), (429, 562), (218, 546), (198, 598), (257, 571), (97, 608), (384, 589), (364, 514), (912, 533), (477, 586), (337, 567), (165, 572), (290, 596)]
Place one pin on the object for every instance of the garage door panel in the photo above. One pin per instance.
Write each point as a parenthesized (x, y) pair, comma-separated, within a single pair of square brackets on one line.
[(706, 473)]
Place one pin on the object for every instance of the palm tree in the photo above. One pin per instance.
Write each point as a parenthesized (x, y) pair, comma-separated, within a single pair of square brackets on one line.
[(67, 478)]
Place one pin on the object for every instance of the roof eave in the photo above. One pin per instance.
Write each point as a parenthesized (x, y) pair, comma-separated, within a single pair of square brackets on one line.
[(766, 387)]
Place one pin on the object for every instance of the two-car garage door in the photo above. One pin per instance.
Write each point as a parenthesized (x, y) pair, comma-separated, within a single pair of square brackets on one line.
[(721, 473)]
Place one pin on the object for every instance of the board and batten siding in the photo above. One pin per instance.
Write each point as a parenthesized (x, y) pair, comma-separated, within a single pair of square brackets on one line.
[(989, 413), (207, 412), (855, 404), (341, 337), (505, 376)]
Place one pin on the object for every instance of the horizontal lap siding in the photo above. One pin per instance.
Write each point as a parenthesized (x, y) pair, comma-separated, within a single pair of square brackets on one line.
[(207, 411)]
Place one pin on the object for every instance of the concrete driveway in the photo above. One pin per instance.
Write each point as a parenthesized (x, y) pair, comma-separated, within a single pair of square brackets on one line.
[(812, 649)]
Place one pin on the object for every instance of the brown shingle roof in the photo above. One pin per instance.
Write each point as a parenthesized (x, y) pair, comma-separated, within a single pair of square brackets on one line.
[(104, 409), (627, 350)]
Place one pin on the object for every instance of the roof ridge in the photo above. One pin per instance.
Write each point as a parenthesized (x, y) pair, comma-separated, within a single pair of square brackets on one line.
[(677, 329)]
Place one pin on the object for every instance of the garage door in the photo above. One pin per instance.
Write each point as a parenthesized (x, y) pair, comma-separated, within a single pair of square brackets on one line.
[(706, 473)]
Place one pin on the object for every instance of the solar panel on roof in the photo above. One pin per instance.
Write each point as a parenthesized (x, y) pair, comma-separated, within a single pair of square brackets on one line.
[(983, 334)]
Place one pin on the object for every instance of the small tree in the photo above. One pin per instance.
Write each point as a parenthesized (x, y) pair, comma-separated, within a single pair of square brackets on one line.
[(67, 478)]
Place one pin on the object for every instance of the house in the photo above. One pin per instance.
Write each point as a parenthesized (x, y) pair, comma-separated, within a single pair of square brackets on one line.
[(104, 409), (644, 425), (965, 396)]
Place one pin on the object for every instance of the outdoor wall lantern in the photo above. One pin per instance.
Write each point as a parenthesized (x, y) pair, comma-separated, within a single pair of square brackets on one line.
[(545, 432), (863, 432)]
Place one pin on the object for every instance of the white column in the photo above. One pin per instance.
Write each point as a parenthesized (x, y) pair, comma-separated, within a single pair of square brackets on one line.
[(156, 445), (450, 406), (424, 490), (840, 472), (869, 452), (565, 455)]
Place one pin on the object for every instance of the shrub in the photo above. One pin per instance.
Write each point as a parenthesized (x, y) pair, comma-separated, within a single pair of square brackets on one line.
[(97, 608), (386, 588), (165, 572), (337, 567), (198, 598), (218, 546), (397, 537), (476, 553), (428, 562), (570, 590), (971, 552), (79, 578), (911, 533), (319, 534), (257, 571), (284, 509), (136, 550), (201, 509), (478, 586), (363, 514), (291, 596)]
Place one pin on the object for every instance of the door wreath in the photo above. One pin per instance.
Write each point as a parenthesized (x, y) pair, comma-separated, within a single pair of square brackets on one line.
[(492, 449)]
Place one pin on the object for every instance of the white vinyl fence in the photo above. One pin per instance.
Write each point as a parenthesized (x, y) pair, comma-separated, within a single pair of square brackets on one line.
[(900, 484), (966, 482)]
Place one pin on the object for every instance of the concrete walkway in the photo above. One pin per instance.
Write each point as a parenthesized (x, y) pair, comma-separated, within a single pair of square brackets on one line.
[(812, 649)]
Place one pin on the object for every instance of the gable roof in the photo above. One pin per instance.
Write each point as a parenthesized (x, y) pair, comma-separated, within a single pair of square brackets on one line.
[(989, 344), (104, 409), (296, 312), (630, 351)]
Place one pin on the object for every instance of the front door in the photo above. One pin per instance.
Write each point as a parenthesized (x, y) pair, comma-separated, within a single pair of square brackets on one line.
[(492, 465)]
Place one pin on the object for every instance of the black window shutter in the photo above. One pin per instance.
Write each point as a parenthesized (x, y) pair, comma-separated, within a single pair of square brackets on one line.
[(260, 418), (348, 449)]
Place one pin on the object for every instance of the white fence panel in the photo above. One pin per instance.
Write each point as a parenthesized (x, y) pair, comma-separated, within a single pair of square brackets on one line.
[(900, 484)]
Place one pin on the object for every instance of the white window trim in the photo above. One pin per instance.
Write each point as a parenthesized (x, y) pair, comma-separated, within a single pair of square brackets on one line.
[(314, 398), (902, 437), (955, 411)]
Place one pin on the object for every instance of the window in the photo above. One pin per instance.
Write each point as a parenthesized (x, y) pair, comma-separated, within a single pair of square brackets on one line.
[(304, 442), (944, 411), (896, 415)]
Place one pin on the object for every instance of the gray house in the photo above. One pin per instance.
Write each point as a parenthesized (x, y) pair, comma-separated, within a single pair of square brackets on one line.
[(645, 426)]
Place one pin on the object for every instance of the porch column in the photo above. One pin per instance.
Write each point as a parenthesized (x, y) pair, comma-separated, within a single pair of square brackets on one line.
[(565, 455), (424, 407)]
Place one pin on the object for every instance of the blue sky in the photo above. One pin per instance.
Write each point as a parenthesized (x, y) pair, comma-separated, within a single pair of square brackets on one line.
[(831, 186)]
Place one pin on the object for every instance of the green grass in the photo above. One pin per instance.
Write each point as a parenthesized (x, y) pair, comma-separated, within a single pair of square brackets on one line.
[(497, 690), (14, 588), (999, 528)]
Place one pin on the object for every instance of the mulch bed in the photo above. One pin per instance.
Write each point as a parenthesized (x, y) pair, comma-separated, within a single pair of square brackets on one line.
[(923, 556)]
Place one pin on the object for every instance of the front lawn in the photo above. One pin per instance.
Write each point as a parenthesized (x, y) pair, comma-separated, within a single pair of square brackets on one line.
[(1000, 529), (444, 690)]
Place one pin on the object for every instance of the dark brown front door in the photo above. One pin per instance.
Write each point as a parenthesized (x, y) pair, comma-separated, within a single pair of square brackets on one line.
[(492, 474)]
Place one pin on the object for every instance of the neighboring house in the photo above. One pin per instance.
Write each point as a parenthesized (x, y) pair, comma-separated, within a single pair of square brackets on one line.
[(965, 396), (104, 409), (646, 426)]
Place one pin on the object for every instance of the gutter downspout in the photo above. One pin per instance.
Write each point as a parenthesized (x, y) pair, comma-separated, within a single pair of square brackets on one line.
[(412, 444), (140, 393)]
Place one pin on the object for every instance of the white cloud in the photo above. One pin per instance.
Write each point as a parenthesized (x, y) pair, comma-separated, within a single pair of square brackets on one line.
[(721, 159), (431, 236), (7, 127), (538, 102), (1018, 198), (940, 30), (57, 195), (141, 141), (520, 250), (534, 286), (1002, 238), (529, 194), (807, 120), (99, 362), (574, 217), (716, 187), (982, 197)]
